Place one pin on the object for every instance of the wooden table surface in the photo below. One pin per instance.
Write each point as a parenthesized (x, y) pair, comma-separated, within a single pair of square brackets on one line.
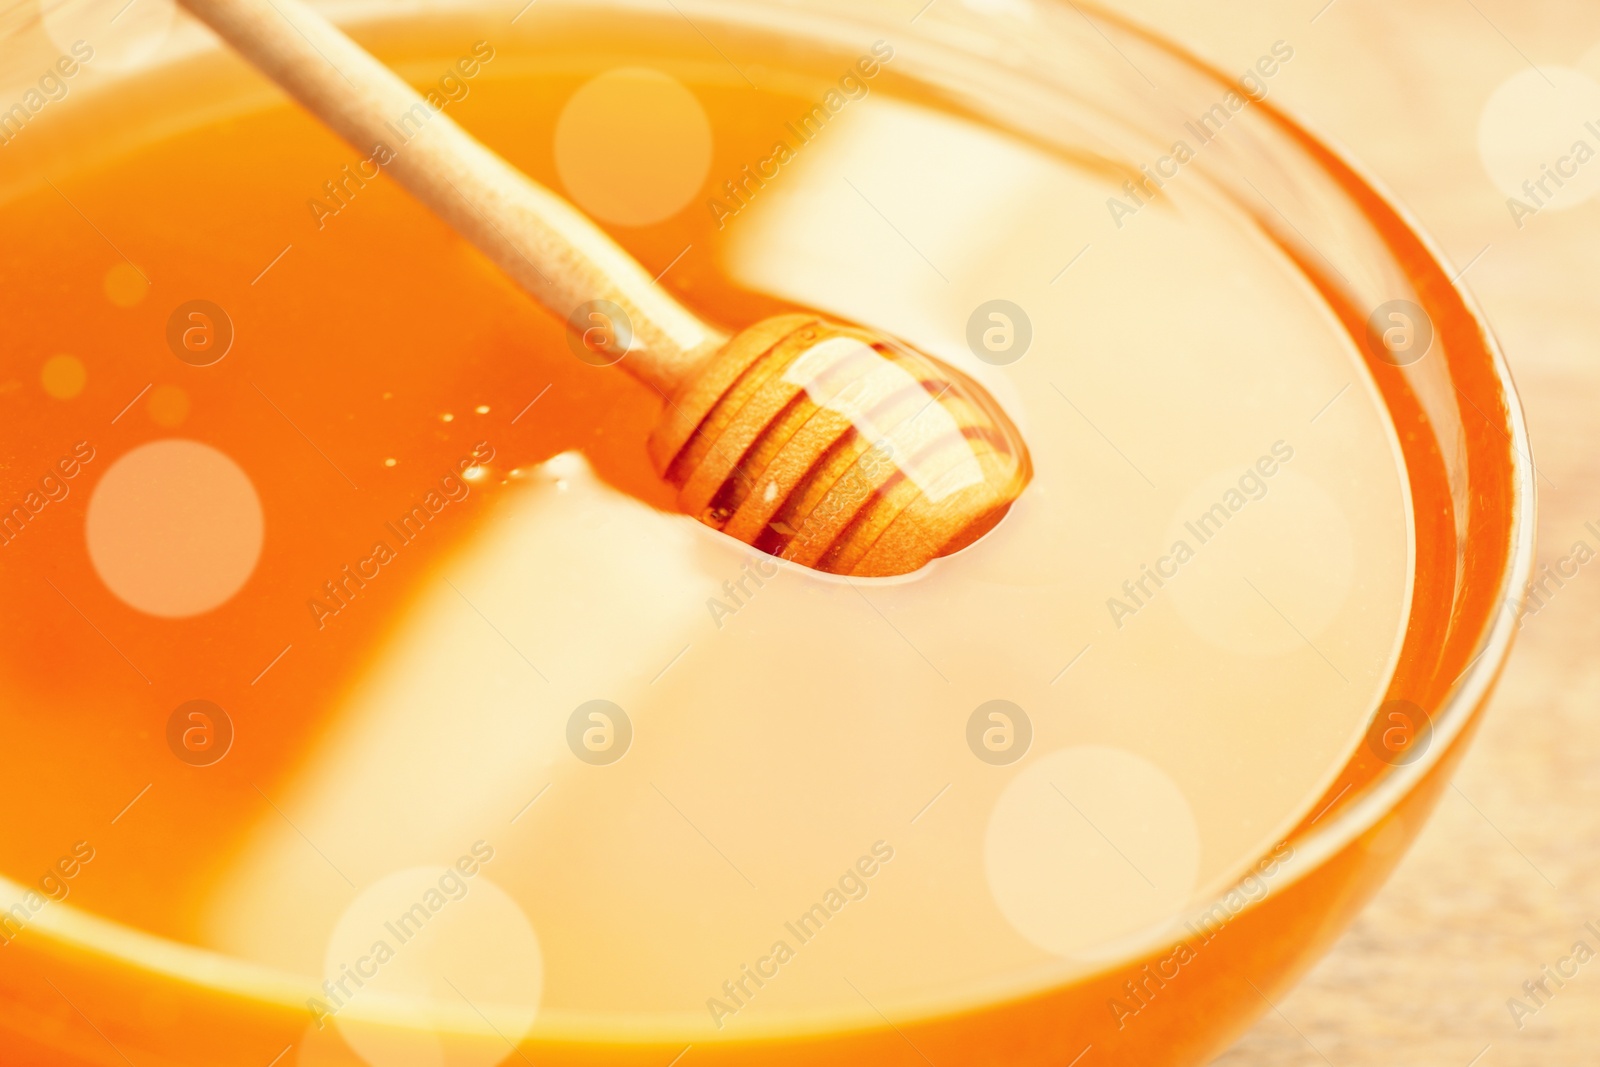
[(1503, 879)]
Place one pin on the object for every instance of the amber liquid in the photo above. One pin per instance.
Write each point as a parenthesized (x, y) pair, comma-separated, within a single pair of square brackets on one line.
[(394, 721)]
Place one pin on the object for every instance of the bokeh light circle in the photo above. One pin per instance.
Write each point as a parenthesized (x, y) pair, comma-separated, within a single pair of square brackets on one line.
[(1529, 137), (1088, 846), (633, 146), (174, 528), (433, 967)]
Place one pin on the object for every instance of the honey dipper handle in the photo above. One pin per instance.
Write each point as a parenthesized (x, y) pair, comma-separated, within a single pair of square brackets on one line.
[(550, 248)]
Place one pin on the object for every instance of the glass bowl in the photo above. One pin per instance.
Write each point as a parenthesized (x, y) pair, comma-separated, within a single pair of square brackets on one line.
[(1086, 83)]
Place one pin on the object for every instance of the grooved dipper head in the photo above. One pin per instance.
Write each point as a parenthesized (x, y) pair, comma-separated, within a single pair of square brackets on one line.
[(839, 449)]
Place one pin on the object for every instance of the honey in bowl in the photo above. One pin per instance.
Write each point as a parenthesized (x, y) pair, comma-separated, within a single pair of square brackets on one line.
[(385, 671)]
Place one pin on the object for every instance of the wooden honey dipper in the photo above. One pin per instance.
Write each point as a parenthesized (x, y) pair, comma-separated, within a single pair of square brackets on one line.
[(822, 443)]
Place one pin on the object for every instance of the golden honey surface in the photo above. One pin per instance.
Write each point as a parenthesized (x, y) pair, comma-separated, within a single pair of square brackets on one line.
[(410, 553)]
